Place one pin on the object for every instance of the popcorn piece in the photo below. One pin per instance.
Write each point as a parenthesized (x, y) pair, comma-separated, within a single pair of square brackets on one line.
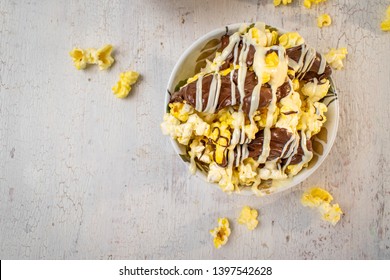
[(221, 176), (324, 20), (308, 3), (284, 2), (312, 118), (221, 233), (385, 24), (181, 111), (123, 86), (314, 197), (247, 173), (248, 217), (330, 213), (272, 37), (220, 134), (335, 56), (104, 58), (315, 91), (272, 60), (199, 151), (290, 112), (320, 199), (169, 125), (291, 39), (79, 58)]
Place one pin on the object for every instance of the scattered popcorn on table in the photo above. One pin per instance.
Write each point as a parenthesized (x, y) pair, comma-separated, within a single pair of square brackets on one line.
[(104, 58), (284, 2), (79, 58), (248, 217), (221, 232), (330, 213), (123, 86), (308, 3), (324, 20), (320, 199), (335, 57), (101, 57), (385, 24)]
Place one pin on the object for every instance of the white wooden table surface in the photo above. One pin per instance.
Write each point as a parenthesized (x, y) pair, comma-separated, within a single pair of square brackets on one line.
[(84, 175)]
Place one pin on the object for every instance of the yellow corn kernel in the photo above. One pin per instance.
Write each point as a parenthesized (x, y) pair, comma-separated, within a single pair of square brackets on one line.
[(79, 58), (221, 233), (290, 39), (123, 86), (324, 20), (104, 58), (272, 60)]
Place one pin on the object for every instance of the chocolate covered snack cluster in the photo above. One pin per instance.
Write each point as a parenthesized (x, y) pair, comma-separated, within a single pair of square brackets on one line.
[(250, 114)]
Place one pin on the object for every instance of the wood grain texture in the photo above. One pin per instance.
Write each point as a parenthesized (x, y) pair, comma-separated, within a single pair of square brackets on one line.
[(84, 175)]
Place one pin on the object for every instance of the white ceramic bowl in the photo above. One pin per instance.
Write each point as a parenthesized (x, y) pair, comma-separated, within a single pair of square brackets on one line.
[(194, 58)]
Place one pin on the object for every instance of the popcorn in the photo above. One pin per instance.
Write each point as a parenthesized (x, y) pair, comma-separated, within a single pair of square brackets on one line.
[(272, 60), (324, 20), (123, 86), (220, 134), (169, 125), (272, 37), (198, 150), (79, 58), (284, 2), (320, 199), (251, 130), (335, 56), (221, 233), (221, 176), (246, 173), (315, 197), (102, 57), (385, 24), (312, 118), (181, 111), (184, 132), (248, 217), (290, 112), (307, 3), (315, 91), (330, 213), (291, 39)]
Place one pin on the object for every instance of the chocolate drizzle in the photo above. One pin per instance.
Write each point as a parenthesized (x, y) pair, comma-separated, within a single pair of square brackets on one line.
[(280, 137), (314, 71), (188, 92)]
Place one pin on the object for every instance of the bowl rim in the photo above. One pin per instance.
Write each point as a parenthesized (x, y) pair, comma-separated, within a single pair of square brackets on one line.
[(305, 172)]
